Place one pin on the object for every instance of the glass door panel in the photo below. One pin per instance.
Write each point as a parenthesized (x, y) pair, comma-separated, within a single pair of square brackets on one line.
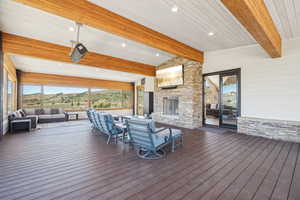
[(229, 100), (140, 100), (211, 100), (222, 98)]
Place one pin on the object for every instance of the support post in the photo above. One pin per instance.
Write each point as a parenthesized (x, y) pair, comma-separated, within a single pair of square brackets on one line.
[(1, 86)]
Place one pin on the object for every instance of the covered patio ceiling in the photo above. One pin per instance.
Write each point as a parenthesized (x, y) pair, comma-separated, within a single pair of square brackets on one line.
[(203, 25)]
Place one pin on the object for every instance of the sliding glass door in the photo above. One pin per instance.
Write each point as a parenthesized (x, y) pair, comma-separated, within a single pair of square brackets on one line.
[(211, 99), (229, 99), (222, 98)]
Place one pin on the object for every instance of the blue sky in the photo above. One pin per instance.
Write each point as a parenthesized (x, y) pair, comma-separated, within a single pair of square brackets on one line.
[(229, 88), (33, 89), (65, 90), (30, 89)]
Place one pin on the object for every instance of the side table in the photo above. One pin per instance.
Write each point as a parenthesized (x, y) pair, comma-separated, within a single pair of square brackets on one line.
[(70, 114)]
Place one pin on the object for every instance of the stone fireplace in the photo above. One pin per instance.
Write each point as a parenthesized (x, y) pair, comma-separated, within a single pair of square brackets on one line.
[(181, 106)]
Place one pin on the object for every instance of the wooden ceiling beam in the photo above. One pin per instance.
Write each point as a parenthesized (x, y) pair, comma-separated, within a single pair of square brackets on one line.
[(10, 67), (72, 81), (35, 48), (255, 17), (87, 13)]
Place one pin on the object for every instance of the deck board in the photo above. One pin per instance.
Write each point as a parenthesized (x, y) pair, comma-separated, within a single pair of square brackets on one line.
[(267, 187), (73, 162)]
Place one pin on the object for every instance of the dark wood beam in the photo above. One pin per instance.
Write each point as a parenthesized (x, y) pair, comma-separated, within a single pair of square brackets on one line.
[(255, 17), (87, 13), (39, 49)]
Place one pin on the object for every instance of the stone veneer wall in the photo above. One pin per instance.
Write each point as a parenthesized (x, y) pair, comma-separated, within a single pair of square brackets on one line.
[(274, 129), (189, 95)]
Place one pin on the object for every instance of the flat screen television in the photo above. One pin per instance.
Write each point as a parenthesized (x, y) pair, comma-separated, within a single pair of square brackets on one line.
[(170, 77)]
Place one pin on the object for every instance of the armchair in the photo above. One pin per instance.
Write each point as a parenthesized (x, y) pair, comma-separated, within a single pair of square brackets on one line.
[(148, 140)]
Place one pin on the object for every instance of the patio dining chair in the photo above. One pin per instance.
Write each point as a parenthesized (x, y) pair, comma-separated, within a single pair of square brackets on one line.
[(88, 113), (105, 123)]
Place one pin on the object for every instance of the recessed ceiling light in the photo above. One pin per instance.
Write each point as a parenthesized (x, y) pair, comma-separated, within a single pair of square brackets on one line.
[(174, 8), (211, 33), (157, 54), (71, 29), (123, 44)]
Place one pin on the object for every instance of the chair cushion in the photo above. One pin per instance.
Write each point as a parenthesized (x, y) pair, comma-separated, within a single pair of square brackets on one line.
[(116, 130), (176, 133), (151, 123), (109, 120), (160, 138)]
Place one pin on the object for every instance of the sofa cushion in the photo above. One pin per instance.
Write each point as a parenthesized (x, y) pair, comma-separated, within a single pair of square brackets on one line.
[(29, 111), (55, 116), (47, 111), (61, 111), (54, 111), (39, 111), (160, 138), (32, 116)]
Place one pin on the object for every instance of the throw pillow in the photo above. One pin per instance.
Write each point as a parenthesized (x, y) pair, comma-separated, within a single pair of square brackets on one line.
[(13, 115), (39, 111), (22, 113), (213, 106), (29, 111), (18, 114)]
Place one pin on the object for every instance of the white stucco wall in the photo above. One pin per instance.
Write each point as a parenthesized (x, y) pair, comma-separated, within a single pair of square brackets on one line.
[(270, 88)]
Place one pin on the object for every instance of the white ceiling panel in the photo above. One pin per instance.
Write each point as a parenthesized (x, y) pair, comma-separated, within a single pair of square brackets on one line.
[(190, 25), (286, 15), (28, 64), (16, 18)]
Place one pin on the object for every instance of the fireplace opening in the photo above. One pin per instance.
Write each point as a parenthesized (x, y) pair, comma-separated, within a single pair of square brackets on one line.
[(170, 105)]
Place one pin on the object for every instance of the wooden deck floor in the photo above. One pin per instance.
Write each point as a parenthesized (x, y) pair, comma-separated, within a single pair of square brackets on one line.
[(72, 163)]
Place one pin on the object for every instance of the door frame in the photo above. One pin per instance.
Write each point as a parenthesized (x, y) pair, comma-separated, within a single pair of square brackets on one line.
[(236, 71)]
